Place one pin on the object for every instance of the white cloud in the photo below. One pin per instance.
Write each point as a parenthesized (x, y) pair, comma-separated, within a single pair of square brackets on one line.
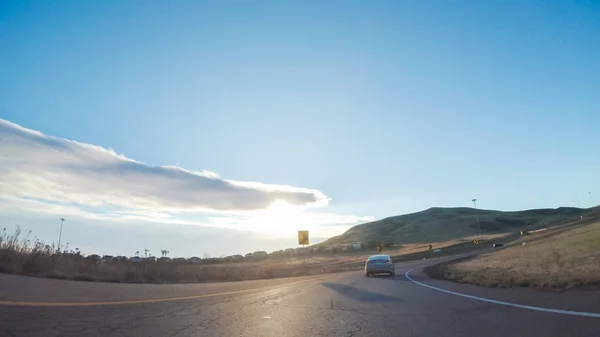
[(41, 174), (20, 205), (34, 165)]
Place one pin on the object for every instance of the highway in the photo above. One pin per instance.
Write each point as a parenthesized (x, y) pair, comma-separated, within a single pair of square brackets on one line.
[(343, 304)]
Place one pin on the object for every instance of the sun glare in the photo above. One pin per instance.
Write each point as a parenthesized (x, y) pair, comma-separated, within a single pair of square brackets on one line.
[(280, 217)]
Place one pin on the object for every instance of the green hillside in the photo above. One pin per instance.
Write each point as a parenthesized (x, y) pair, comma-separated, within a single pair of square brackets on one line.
[(443, 224)]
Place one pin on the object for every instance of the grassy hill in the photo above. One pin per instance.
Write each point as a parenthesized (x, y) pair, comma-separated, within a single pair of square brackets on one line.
[(443, 224), (559, 258)]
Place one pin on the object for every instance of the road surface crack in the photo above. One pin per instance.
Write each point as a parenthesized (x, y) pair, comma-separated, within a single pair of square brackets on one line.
[(189, 325), (358, 329)]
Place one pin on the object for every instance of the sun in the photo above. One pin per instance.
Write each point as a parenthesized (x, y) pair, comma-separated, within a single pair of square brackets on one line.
[(281, 206), (279, 217)]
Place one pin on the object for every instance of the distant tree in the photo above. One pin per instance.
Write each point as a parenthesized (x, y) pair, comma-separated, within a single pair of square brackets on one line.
[(137, 253), (146, 251)]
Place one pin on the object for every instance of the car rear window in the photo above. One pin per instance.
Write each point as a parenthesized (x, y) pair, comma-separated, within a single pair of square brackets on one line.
[(379, 259)]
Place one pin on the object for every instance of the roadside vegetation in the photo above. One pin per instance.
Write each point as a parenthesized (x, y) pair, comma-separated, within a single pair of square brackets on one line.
[(561, 258), (22, 255)]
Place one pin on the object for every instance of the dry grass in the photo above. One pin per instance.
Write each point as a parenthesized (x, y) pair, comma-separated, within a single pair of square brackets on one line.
[(20, 255), (558, 259), (23, 256)]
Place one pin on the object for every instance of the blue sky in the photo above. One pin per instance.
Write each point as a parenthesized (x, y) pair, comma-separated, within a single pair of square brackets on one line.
[(360, 110)]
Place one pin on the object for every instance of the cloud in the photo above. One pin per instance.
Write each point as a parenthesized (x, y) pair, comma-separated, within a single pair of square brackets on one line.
[(65, 172)]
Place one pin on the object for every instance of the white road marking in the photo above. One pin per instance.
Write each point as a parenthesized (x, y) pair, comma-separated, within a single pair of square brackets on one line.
[(514, 305)]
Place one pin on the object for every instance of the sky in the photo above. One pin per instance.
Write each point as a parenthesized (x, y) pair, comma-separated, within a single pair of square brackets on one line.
[(216, 128)]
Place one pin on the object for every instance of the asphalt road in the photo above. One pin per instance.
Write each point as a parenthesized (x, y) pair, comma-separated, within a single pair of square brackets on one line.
[(344, 304)]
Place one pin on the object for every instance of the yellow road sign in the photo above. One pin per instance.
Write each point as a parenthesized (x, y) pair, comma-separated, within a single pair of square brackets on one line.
[(379, 247), (430, 247), (302, 237)]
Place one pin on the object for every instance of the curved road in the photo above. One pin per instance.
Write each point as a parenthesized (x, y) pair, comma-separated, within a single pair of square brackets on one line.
[(344, 304)]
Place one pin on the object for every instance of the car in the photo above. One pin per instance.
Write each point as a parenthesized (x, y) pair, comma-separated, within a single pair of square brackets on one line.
[(379, 264)]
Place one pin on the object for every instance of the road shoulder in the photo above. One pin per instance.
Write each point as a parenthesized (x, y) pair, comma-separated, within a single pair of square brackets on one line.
[(574, 300)]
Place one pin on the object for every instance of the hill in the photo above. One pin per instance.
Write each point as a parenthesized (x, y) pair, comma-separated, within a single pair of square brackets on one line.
[(443, 224), (559, 258)]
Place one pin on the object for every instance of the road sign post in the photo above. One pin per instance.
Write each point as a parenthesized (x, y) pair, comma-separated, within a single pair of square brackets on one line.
[(303, 237), (303, 240)]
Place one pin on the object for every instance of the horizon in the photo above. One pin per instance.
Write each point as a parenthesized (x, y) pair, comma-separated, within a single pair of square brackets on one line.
[(322, 239), (386, 217), (220, 129)]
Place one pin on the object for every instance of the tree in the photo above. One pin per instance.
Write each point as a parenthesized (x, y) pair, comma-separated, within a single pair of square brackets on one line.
[(137, 253), (146, 251)]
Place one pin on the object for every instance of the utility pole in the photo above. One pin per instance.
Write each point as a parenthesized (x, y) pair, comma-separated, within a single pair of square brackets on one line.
[(591, 201), (62, 220), (477, 214)]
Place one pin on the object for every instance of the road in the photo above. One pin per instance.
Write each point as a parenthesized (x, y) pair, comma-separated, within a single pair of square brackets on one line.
[(344, 304)]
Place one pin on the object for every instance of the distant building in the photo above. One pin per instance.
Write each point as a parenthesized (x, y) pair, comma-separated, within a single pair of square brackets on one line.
[(302, 251), (107, 258), (93, 257), (194, 260), (278, 253), (260, 253), (317, 249)]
